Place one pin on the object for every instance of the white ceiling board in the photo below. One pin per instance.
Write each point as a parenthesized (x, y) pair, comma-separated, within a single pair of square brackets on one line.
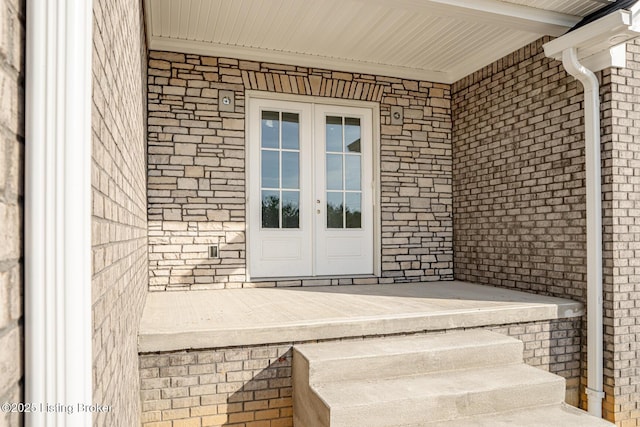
[(487, 56), (438, 40)]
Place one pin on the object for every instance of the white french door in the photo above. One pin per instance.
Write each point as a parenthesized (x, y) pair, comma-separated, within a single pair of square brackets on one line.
[(310, 205), (343, 178)]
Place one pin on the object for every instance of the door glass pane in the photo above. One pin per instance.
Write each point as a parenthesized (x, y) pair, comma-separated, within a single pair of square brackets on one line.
[(280, 169), (334, 210), (351, 135), (290, 169), (352, 172), (353, 210), (270, 209), (270, 169), (290, 209), (334, 134), (290, 131), (344, 172), (270, 129), (334, 172)]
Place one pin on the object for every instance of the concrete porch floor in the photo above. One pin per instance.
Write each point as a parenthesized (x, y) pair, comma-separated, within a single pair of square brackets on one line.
[(234, 317)]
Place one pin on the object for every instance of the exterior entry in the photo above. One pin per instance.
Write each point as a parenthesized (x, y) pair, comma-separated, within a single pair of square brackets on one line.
[(310, 177)]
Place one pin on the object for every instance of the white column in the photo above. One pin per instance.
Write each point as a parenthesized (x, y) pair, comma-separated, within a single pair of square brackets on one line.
[(58, 212)]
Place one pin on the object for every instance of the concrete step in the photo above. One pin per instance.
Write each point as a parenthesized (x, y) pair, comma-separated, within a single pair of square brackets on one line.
[(544, 416), (388, 357), (470, 378), (438, 396)]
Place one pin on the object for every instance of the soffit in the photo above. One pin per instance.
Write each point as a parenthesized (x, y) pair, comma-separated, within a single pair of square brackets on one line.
[(436, 40)]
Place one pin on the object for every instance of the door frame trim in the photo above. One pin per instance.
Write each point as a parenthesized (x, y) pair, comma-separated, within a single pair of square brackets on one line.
[(375, 158)]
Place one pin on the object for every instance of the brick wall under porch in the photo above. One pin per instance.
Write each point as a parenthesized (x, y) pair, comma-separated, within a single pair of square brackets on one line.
[(251, 386)]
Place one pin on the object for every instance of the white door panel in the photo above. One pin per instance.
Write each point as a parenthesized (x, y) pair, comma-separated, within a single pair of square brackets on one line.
[(280, 212), (344, 217)]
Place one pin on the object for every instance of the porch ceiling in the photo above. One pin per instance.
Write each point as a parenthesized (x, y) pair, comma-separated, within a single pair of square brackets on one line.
[(436, 40)]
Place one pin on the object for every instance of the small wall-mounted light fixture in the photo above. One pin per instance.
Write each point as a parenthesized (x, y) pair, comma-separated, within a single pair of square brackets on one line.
[(397, 115), (214, 251), (226, 101)]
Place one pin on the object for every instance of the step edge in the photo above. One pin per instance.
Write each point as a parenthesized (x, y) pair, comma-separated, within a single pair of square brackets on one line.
[(499, 340), (549, 379)]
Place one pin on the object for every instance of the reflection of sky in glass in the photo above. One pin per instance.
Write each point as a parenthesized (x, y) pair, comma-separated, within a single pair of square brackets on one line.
[(334, 134), (290, 131), (352, 135), (270, 129), (270, 169), (352, 172), (290, 169), (334, 171)]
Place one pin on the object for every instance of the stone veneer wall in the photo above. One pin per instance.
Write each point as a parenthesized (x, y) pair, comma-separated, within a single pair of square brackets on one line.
[(12, 59), (197, 169), (119, 224), (251, 386), (518, 176), (621, 239)]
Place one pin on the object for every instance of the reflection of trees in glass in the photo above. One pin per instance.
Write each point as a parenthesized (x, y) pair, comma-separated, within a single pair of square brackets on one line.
[(290, 215), (334, 216), (353, 218), (271, 210)]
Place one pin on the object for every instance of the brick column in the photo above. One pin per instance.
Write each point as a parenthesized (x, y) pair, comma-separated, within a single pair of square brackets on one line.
[(621, 239)]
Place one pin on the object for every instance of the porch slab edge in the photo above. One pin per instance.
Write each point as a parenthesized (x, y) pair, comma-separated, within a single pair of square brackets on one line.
[(248, 317)]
